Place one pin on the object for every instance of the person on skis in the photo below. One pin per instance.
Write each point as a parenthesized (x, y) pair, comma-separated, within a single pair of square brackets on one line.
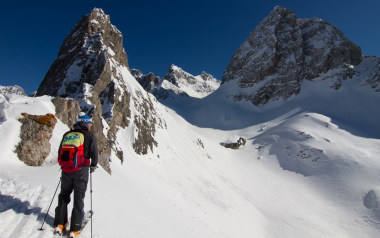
[(75, 173)]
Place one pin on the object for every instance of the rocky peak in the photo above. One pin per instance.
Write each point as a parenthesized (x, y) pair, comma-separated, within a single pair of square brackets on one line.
[(92, 68), (207, 77), (282, 51), (178, 82), (83, 56), (176, 74), (138, 74)]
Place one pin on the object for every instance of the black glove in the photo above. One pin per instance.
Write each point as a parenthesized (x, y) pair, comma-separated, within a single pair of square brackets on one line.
[(93, 168)]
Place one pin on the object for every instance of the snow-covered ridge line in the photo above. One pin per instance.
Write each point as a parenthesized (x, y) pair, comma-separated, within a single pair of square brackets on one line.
[(176, 83)]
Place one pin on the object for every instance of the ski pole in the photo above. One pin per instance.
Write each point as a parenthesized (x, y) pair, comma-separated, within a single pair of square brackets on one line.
[(92, 212), (41, 229)]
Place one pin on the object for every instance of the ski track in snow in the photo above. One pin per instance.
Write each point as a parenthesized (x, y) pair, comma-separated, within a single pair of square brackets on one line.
[(20, 199)]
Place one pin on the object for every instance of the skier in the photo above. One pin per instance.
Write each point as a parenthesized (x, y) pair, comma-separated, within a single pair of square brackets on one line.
[(76, 178)]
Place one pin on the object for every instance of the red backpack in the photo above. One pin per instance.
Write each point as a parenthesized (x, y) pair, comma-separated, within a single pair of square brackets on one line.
[(71, 152)]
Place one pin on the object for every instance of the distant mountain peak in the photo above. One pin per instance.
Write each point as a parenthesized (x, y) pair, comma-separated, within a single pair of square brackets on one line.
[(284, 50), (10, 92), (177, 82)]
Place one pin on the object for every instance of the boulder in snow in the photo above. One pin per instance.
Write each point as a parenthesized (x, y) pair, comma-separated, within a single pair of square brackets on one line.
[(36, 131)]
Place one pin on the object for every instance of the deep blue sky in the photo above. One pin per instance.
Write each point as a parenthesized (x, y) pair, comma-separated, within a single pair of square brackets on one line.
[(196, 35)]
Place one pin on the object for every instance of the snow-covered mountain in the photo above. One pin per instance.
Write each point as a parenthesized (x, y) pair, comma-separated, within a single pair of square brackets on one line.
[(176, 83), (309, 167), (283, 51), (11, 91)]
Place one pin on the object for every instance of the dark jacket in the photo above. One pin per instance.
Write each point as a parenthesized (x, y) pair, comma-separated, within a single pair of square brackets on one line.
[(90, 145)]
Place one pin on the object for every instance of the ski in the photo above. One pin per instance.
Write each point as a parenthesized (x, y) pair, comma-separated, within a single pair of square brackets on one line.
[(66, 233), (56, 235), (86, 219)]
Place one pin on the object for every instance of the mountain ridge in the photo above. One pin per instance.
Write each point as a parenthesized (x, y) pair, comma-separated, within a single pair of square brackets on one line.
[(177, 82)]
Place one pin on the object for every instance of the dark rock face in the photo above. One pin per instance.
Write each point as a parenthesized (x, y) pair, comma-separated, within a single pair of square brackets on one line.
[(372, 72), (372, 201), (145, 125), (236, 145), (92, 68), (148, 82), (282, 51), (82, 57), (35, 135)]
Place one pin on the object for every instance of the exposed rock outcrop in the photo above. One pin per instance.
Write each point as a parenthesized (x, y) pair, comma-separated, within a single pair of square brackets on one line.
[(236, 145), (372, 200), (372, 72), (282, 51), (36, 131), (148, 82), (66, 110)]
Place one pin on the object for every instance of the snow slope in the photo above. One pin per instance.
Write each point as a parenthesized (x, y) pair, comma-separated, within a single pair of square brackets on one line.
[(301, 173)]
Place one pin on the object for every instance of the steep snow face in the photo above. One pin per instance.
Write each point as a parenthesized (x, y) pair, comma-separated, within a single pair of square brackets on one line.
[(282, 51)]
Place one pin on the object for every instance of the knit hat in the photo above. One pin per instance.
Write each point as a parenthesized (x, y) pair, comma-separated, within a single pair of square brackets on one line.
[(84, 117)]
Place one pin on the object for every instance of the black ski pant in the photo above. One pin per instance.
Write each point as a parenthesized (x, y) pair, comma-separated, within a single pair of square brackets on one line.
[(76, 181)]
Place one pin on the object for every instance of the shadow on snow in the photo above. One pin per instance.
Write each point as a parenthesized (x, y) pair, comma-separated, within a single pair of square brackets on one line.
[(23, 207)]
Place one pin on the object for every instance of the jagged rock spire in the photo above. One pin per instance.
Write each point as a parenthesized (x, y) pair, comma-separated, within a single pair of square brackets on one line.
[(83, 55)]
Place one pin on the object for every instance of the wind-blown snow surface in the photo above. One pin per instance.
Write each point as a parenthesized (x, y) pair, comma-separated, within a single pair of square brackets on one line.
[(299, 175)]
